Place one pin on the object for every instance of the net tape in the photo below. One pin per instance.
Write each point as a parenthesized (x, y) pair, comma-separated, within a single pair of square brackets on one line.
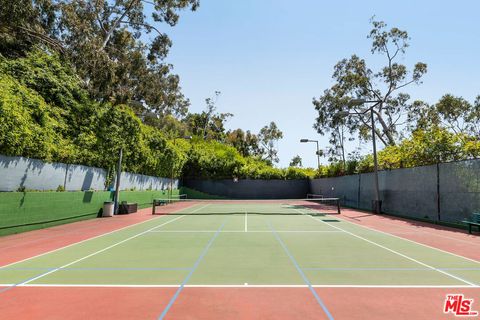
[(250, 206)]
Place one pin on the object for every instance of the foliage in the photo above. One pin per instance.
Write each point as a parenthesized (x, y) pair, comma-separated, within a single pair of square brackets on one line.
[(354, 80), (212, 159), (27, 128), (338, 168), (425, 147), (168, 124), (245, 142), (413, 133), (268, 136), (257, 169), (209, 124), (116, 46), (46, 115), (296, 161), (453, 113), (24, 23)]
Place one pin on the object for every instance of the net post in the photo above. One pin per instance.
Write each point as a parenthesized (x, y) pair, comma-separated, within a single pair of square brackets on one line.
[(338, 206), (153, 206)]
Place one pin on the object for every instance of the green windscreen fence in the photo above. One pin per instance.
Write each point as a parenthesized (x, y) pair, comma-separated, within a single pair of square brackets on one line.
[(445, 193), (459, 190), (23, 211)]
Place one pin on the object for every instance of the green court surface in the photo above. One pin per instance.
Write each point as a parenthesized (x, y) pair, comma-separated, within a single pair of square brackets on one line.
[(245, 244)]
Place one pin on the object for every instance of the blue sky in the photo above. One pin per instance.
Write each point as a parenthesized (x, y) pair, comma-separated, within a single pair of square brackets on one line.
[(269, 58)]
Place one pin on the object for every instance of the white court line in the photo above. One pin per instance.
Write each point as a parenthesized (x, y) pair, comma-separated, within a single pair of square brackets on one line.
[(246, 222), (251, 231), (395, 252), (99, 251), (239, 286), (109, 247), (423, 231), (79, 242), (412, 241)]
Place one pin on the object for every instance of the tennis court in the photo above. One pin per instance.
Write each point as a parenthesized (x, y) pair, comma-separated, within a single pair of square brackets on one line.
[(240, 259)]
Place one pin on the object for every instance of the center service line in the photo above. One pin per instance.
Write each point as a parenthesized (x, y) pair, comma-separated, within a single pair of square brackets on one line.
[(246, 221), (195, 266), (297, 266)]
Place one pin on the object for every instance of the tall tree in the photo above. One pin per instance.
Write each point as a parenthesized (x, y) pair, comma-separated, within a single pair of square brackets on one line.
[(459, 115), (209, 125), (296, 161), (123, 59), (268, 136), (245, 142), (336, 149), (117, 47), (354, 80), (25, 23), (456, 114)]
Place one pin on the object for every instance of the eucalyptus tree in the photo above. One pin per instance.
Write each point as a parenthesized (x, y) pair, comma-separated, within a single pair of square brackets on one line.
[(268, 136), (296, 161), (459, 115), (353, 79), (118, 47), (245, 142), (455, 114), (209, 124), (25, 23)]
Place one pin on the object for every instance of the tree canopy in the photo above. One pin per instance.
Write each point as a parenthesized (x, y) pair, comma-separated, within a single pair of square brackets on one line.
[(246, 143), (268, 136), (296, 161), (412, 133), (116, 47), (81, 79), (355, 80), (47, 114)]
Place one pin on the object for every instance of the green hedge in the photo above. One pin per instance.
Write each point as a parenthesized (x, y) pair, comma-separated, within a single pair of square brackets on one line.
[(24, 211)]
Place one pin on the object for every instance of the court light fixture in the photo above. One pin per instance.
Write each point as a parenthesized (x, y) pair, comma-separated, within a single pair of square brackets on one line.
[(318, 153), (376, 203)]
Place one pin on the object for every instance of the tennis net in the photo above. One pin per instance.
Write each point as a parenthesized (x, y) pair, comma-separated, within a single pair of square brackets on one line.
[(311, 206)]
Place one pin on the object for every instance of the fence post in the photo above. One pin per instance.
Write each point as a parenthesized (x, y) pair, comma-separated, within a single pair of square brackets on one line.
[(117, 183), (358, 192), (438, 192), (65, 180)]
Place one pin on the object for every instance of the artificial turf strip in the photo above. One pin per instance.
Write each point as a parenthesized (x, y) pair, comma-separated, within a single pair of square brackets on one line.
[(25, 211)]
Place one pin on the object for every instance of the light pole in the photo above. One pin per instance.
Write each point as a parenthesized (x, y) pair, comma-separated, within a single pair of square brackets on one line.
[(171, 172), (117, 182), (318, 150), (376, 203)]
